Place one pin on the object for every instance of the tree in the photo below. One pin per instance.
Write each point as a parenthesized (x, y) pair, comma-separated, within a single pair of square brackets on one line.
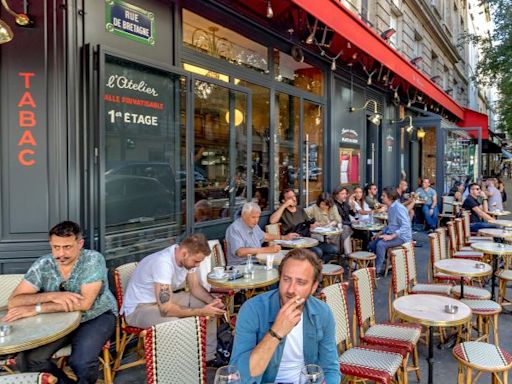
[(495, 66)]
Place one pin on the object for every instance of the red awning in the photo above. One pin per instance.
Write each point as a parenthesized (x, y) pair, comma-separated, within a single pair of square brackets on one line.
[(475, 119), (350, 27)]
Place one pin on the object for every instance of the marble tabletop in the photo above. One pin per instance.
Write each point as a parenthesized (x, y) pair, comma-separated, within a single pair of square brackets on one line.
[(381, 216), (494, 232), (368, 227), (326, 231), (462, 267), (492, 248), (429, 310), (35, 331), (278, 257), (260, 278), (301, 242), (503, 223), (498, 213)]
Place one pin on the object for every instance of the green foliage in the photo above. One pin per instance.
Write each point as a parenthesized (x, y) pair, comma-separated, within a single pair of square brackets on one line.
[(495, 66)]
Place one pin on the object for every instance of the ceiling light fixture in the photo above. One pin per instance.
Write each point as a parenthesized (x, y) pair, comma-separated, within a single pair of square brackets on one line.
[(311, 38), (421, 134), (375, 117), (416, 60), (6, 33), (386, 35), (409, 127)]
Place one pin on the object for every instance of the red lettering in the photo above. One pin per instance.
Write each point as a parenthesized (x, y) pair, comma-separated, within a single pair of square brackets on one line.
[(22, 157), (27, 138), (27, 76), (27, 119), (27, 99)]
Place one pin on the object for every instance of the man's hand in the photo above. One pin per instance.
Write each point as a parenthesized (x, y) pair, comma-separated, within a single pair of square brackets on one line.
[(386, 237), (274, 248), (19, 313), (215, 308), (431, 211), (288, 316), (69, 300), (289, 203)]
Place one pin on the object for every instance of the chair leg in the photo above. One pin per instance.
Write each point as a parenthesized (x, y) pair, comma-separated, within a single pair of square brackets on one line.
[(119, 355), (469, 375), (416, 362), (460, 374), (495, 329), (107, 373)]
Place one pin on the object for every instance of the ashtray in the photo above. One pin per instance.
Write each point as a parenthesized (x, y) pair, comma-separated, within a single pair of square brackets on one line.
[(451, 308), (5, 330), (479, 265)]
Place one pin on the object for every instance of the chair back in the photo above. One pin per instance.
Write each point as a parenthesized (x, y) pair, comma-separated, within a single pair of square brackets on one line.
[(8, 284), (122, 275), (335, 296), (448, 204), (435, 253), (28, 378), (176, 352), (443, 252), (452, 238), (459, 229), (363, 293), (411, 262), (399, 277), (218, 259), (273, 229), (466, 224)]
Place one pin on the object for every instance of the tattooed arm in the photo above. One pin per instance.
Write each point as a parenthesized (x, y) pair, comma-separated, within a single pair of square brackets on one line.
[(170, 309)]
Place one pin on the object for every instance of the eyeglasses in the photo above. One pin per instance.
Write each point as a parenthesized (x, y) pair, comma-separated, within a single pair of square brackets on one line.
[(475, 189)]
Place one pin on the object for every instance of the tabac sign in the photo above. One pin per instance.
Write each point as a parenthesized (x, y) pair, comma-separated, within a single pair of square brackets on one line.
[(129, 21)]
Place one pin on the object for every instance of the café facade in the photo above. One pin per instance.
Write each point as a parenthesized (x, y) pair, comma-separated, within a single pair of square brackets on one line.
[(145, 120)]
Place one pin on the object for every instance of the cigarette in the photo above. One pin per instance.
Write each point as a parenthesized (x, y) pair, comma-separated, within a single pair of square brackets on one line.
[(298, 301)]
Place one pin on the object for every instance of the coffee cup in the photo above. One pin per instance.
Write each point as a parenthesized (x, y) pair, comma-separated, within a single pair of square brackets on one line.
[(218, 271)]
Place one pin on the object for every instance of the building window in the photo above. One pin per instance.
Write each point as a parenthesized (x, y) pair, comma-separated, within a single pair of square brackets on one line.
[(395, 39)]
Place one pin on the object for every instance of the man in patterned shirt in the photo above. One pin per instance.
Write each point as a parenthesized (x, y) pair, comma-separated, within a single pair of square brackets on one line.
[(68, 279)]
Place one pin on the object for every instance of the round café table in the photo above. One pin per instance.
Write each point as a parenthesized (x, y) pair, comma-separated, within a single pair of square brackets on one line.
[(278, 257), (260, 279), (381, 216), (503, 223), (368, 228), (498, 213), (462, 268), (300, 242), (495, 232), (428, 310), (35, 331), (495, 250), (326, 231)]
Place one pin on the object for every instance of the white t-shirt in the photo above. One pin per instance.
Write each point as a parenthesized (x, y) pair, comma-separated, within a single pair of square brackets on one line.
[(159, 267), (292, 361), (365, 207)]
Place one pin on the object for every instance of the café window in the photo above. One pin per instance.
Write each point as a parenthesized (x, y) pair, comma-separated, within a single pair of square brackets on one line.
[(213, 39), (349, 159)]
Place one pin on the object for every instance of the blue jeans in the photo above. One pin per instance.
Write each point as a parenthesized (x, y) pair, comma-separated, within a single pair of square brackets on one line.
[(431, 220), (325, 251), (86, 343), (474, 227), (379, 247)]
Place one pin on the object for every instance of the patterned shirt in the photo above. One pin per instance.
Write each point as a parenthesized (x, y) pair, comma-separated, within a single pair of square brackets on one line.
[(240, 235), (44, 275)]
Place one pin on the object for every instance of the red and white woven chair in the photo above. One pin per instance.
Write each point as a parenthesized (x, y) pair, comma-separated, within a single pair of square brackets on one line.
[(176, 351), (414, 286), (377, 363), (481, 357), (486, 314), (439, 251), (468, 238), (456, 250), (398, 286), (400, 335), (8, 284), (124, 332), (28, 378)]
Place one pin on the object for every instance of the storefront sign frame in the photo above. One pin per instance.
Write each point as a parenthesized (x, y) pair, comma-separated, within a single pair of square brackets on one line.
[(129, 21)]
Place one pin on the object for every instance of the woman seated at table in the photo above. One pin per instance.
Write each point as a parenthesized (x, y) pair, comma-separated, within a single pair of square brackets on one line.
[(325, 214), (360, 206)]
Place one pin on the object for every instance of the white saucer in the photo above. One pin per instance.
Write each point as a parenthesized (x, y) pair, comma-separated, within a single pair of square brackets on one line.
[(213, 276)]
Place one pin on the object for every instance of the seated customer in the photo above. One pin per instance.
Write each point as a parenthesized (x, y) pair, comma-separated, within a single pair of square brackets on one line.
[(478, 218), (69, 279), (305, 323), (341, 201), (430, 210), (407, 201), (156, 294), (325, 213), (244, 237), (396, 232), (360, 206), (294, 219)]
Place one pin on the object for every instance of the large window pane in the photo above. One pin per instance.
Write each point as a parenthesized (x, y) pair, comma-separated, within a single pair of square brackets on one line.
[(144, 125), (293, 71), (287, 143), (313, 134)]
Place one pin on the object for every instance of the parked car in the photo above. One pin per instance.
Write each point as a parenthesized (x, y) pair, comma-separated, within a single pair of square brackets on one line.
[(136, 198)]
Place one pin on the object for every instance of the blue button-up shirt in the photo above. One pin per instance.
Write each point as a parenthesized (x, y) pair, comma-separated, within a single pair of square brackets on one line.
[(398, 222), (257, 316), (240, 235)]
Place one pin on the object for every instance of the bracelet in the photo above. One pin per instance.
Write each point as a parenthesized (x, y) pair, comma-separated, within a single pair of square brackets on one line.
[(273, 334)]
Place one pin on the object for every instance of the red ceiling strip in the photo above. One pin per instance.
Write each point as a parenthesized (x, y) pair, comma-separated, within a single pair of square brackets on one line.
[(346, 23)]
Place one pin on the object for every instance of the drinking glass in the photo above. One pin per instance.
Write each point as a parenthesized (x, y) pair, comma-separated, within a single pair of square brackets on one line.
[(228, 374), (312, 374)]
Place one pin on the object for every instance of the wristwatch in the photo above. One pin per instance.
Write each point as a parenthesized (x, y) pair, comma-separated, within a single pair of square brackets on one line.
[(38, 308), (273, 334)]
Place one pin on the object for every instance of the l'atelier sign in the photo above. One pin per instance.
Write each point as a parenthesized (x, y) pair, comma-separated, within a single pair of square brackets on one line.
[(349, 136), (127, 20)]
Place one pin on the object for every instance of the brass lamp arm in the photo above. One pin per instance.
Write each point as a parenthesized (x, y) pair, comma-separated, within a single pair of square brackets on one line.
[(20, 18)]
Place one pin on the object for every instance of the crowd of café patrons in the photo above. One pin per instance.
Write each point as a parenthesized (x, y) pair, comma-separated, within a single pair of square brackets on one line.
[(71, 278)]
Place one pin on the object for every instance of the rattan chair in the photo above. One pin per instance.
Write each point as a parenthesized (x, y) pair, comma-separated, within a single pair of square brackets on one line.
[(273, 229), (377, 363), (28, 378), (176, 351), (401, 335), (124, 332), (331, 274), (481, 357), (455, 248), (217, 255), (398, 286), (8, 284), (485, 313), (468, 238)]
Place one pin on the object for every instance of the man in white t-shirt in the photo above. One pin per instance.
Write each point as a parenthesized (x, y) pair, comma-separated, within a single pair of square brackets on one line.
[(156, 294)]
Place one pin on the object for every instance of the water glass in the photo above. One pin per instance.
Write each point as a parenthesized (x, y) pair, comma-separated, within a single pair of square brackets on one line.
[(228, 374), (270, 261), (312, 374)]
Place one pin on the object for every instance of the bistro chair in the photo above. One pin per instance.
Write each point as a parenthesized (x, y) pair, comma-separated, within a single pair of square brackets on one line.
[(273, 229), (218, 258), (398, 286), (8, 284), (448, 211), (486, 314), (361, 259), (28, 378), (412, 281), (399, 335), (367, 362), (457, 251), (482, 358), (124, 332), (468, 238), (331, 274), (505, 276), (176, 351)]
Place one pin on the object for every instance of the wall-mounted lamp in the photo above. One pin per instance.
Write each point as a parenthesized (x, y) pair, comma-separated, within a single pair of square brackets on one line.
[(21, 19), (421, 134), (409, 127), (386, 35), (239, 117), (375, 117), (270, 11), (435, 78), (416, 60), (311, 38)]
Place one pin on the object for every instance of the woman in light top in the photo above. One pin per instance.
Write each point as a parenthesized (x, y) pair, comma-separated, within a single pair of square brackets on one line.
[(359, 205), (324, 212)]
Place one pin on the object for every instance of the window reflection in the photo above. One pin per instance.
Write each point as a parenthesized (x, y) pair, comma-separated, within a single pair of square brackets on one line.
[(313, 132), (291, 70)]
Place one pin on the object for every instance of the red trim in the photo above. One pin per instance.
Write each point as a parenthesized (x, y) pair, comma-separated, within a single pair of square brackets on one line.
[(350, 27), (475, 119)]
